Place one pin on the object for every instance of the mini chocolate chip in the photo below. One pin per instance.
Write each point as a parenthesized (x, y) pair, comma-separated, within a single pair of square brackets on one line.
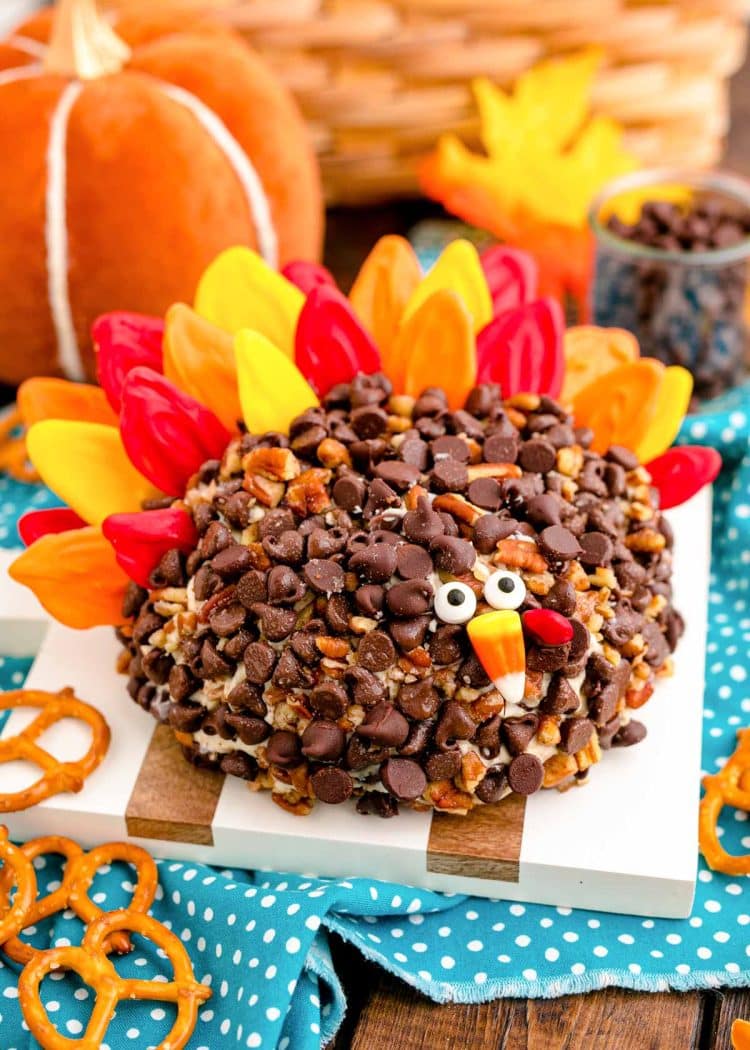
[(186, 718), (404, 778), (447, 644), (561, 597), (385, 725), (400, 476), (621, 627), (409, 634), (622, 456), (148, 621), (453, 555), (517, 733), (376, 652), (203, 515), (182, 682), (213, 663), (367, 689), (485, 493), (559, 543), (443, 765), (216, 723), (561, 698), (324, 543), (631, 733), (156, 665), (380, 497), (410, 598), (260, 660), (418, 700), (575, 733), (369, 421), (580, 643), (251, 588), (544, 509), (227, 620), (236, 645), (237, 509), (350, 491), (596, 549), (170, 571), (525, 774), (487, 737), (332, 785), (133, 599), (423, 524), (603, 706), (232, 561), (215, 539), (247, 697), (288, 548), (420, 735), (376, 563), (276, 521), (238, 764), (657, 649), (455, 724), (324, 576), (449, 475), (415, 452), (500, 448), (284, 586), (413, 562), (607, 732), (449, 524), (329, 700), (289, 673), (472, 673), (283, 749), (323, 741), (482, 398), (369, 599), (547, 658), (337, 613), (493, 785), (489, 530), (448, 447), (249, 729), (537, 456)]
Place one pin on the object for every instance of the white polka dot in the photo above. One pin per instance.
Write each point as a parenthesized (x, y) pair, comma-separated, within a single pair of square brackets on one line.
[(74, 1027), (420, 947), (625, 938), (293, 945), (445, 931), (517, 909), (447, 962), (704, 953), (600, 951), (268, 901), (673, 938), (570, 936), (273, 1013), (208, 914), (523, 941), (682, 968), (721, 936), (578, 969), (530, 975), (52, 1007), (254, 1040), (731, 967), (312, 922), (634, 968), (480, 978), (712, 906), (268, 936), (271, 972), (475, 946), (551, 954), (158, 1014), (737, 672)]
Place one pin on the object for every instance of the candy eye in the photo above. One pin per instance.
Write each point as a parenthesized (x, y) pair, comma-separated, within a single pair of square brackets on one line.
[(455, 603), (504, 590)]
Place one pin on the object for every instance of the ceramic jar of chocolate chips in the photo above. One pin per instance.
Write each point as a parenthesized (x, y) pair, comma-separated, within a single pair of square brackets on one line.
[(677, 276), (317, 644)]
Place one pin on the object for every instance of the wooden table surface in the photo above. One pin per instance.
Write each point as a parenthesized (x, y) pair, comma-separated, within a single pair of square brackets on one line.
[(384, 1012)]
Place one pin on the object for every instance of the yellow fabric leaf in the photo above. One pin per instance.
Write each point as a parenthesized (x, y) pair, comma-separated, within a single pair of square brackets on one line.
[(272, 389)]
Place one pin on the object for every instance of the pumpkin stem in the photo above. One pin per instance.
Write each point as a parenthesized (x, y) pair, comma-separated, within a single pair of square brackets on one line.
[(83, 44)]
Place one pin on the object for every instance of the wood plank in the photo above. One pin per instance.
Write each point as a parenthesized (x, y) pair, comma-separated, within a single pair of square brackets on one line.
[(485, 844), (613, 1019), (728, 1005), (171, 799)]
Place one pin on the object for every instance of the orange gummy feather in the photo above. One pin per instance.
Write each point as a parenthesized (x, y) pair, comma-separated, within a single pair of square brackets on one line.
[(619, 406), (590, 352), (199, 359), (740, 1034), (45, 397), (75, 577), (436, 347), (382, 288)]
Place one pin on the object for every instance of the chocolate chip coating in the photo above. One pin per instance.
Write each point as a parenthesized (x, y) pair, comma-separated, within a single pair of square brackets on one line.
[(323, 741), (383, 724), (525, 774), (332, 785), (404, 778)]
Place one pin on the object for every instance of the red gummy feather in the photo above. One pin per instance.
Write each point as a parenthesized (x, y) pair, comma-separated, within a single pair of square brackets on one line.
[(307, 275), (547, 626), (511, 275), (37, 523), (522, 350), (123, 341), (166, 433), (331, 346), (681, 472), (140, 540)]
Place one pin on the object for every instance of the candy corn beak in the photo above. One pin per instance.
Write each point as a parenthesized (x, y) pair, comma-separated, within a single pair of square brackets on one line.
[(497, 638)]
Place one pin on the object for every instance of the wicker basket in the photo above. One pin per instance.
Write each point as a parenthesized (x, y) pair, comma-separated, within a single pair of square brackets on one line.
[(379, 80)]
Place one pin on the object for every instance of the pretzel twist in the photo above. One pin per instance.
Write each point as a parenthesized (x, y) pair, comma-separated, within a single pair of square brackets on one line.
[(729, 787), (90, 962), (17, 869), (56, 776)]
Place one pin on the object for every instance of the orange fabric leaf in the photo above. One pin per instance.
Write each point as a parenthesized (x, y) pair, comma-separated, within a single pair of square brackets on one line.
[(436, 347), (590, 352), (620, 405), (383, 286), (75, 576), (199, 359), (45, 397)]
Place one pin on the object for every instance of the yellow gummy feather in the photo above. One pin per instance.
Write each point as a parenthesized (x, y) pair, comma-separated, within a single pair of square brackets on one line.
[(497, 638), (671, 408), (459, 270), (239, 290), (86, 465), (272, 389), (199, 359)]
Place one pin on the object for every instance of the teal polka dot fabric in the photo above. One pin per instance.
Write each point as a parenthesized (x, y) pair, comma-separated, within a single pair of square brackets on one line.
[(260, 940)]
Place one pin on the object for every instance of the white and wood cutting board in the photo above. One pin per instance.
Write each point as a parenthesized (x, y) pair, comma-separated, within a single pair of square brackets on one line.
[(625, 842)]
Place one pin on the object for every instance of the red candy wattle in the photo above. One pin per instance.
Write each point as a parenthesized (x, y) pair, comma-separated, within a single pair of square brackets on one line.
[(331, 346), (547, 626), (122, 342), (522, 350), (511, 277), (167, 434), (681, 472), (140, 540), (307, 275), (37, 523)]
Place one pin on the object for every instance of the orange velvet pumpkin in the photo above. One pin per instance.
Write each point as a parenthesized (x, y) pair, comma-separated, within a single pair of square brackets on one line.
[(126, 170)]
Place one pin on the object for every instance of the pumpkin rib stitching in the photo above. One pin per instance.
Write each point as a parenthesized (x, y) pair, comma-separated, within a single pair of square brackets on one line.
[(27, 45), (258, 203), (56, 235), (10, 76)]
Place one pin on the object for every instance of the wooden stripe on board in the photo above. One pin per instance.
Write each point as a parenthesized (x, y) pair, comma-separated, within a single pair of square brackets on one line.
[(171, 799), (485, 844)]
